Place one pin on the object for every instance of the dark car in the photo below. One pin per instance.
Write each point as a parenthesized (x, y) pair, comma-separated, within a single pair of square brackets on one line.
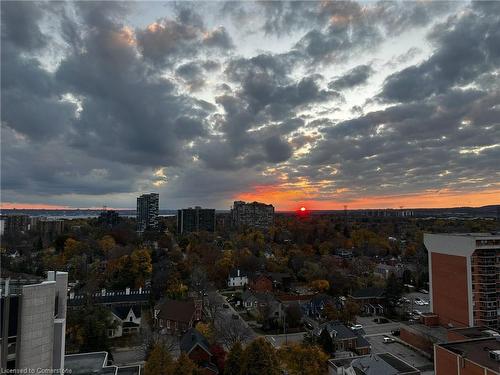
[(226, 306), (235, 316)]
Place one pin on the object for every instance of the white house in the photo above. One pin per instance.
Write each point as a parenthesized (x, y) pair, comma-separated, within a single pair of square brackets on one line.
[(237, 278), (127, 320)]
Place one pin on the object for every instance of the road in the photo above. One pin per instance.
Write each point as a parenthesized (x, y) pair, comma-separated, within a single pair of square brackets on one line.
[(227, 314)]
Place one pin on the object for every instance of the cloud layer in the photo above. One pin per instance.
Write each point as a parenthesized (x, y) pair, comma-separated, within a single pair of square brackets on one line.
[(330, 102)]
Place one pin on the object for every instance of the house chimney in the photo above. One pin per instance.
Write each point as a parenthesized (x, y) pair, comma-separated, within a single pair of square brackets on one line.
[(103, 292), (127, 291), (140, 290), (238, 272)]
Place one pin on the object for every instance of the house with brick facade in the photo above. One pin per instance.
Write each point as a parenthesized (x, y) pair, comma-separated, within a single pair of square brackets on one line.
[(260, 283), (370, 300), (343, 338), (175, 317)]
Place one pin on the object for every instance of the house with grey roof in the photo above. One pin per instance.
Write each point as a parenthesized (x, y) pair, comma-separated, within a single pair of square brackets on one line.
[(197, 348), (342, 338)]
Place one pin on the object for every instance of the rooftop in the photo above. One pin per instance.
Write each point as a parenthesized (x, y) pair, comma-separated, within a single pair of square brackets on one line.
[(182, 311), (337, 330), (372, 292), (375, 364), (476, 350), (475, 332), (192, 338), (95, 363)]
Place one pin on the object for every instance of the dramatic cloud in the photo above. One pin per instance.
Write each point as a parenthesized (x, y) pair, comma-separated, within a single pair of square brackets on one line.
[(354, 77), (324, 102)]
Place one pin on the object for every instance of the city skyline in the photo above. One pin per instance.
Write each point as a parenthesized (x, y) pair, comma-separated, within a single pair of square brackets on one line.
[(302, 104)]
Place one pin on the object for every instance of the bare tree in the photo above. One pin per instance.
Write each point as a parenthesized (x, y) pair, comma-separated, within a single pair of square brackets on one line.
[(151, 337), (230, 331), (213, 306)]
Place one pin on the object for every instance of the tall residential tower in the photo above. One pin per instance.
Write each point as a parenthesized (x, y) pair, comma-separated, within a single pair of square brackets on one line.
[(195, 220), (464, 278), (255, 214), (147, 211)]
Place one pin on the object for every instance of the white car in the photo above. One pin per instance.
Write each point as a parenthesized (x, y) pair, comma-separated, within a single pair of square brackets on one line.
[(356, 326), (388, 340), (419, 301)]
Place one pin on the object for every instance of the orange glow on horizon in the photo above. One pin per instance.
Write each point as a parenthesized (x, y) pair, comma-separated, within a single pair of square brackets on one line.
[(303, 209), (286, 200)]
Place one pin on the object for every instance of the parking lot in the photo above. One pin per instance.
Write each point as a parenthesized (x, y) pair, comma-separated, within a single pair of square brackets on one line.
[(372, 328), (413, 306), (407, 354)]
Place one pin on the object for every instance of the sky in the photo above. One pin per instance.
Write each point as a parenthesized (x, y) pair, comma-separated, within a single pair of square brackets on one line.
[(314, 104)]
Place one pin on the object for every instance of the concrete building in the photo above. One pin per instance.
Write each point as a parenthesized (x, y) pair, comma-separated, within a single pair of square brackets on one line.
[(34, 323), (468, 357), (374, 364), (464, 278), (147, 211), (195, 220), (255, 214)]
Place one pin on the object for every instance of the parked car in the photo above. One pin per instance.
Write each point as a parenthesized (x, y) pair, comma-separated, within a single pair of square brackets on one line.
[(417, 312), (419, 301), (423, 291), (356, 326), (309, 326), (226, 306), (396, 332), (388, 340), (235, 316)]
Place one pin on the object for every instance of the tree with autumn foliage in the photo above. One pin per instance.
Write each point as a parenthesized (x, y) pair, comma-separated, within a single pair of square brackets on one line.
[(320, 285), (259, 358), (301, 359), (185, 366), (233, 365), (159, 361)]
